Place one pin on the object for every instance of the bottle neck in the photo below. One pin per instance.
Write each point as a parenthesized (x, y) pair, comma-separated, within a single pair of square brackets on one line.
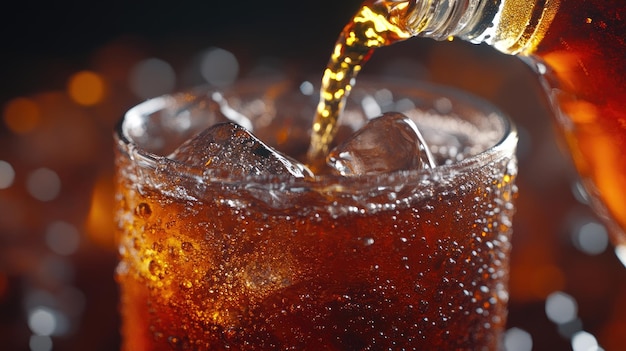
[(442, 19), (510, 26)]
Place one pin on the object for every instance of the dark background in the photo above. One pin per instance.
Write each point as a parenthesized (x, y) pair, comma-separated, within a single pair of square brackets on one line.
[(40, 36)]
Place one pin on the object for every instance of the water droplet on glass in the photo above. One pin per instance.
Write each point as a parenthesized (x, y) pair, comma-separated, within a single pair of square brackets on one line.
[(143, 210)]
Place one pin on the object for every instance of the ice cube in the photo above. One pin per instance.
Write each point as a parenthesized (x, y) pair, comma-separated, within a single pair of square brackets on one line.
[(387, 143), (228, 148)]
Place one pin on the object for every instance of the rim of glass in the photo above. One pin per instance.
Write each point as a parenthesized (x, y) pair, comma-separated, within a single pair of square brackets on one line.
[(506, 145)]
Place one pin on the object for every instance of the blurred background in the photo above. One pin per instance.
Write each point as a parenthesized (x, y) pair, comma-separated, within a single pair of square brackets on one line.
[(68, 71)]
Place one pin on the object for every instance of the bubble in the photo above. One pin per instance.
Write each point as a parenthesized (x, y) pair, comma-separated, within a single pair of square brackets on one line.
[(155, 268), (7, 174), (186, 246), (561, 307), (143, 210), (43, 184)]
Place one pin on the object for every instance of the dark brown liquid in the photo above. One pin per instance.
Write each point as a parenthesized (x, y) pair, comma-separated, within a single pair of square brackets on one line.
[(415, 261), (430, 274)]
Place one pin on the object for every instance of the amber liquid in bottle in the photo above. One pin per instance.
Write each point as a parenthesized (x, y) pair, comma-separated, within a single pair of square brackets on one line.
[(584, 50), (577, 46)]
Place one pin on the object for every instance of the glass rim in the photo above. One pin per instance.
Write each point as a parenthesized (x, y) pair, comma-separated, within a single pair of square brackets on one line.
[(506, 145)]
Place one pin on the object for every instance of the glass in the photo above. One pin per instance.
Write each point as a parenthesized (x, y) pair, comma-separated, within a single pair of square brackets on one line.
[(400, 260)]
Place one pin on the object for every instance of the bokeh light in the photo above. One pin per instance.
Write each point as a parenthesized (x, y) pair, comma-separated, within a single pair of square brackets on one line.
[(219, 67), (152, 77), (99, 225), (62, 238), (42, 321), (516, 339), (86, 88), (591, 238), (40, 343), (307, 88), (43, 184), (7, 174), (584, 341), (22, 115), (561, 308)]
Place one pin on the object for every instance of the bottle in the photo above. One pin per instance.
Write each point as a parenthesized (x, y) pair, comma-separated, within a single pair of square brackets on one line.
[(576, 47)]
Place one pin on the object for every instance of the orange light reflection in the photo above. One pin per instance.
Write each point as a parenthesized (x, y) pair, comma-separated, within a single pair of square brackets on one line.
[(86, 88), (22, 115), (99, 225)]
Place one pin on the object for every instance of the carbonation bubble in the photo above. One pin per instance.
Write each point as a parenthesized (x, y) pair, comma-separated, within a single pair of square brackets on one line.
[(143, 210), (186, 246)]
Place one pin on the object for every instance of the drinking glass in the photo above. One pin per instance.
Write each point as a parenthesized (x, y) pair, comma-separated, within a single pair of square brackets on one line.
[(401, 259)]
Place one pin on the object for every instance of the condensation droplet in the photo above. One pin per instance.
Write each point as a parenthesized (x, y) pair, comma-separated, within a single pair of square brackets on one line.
[(186, 246), (143, 210), (154, 267)]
